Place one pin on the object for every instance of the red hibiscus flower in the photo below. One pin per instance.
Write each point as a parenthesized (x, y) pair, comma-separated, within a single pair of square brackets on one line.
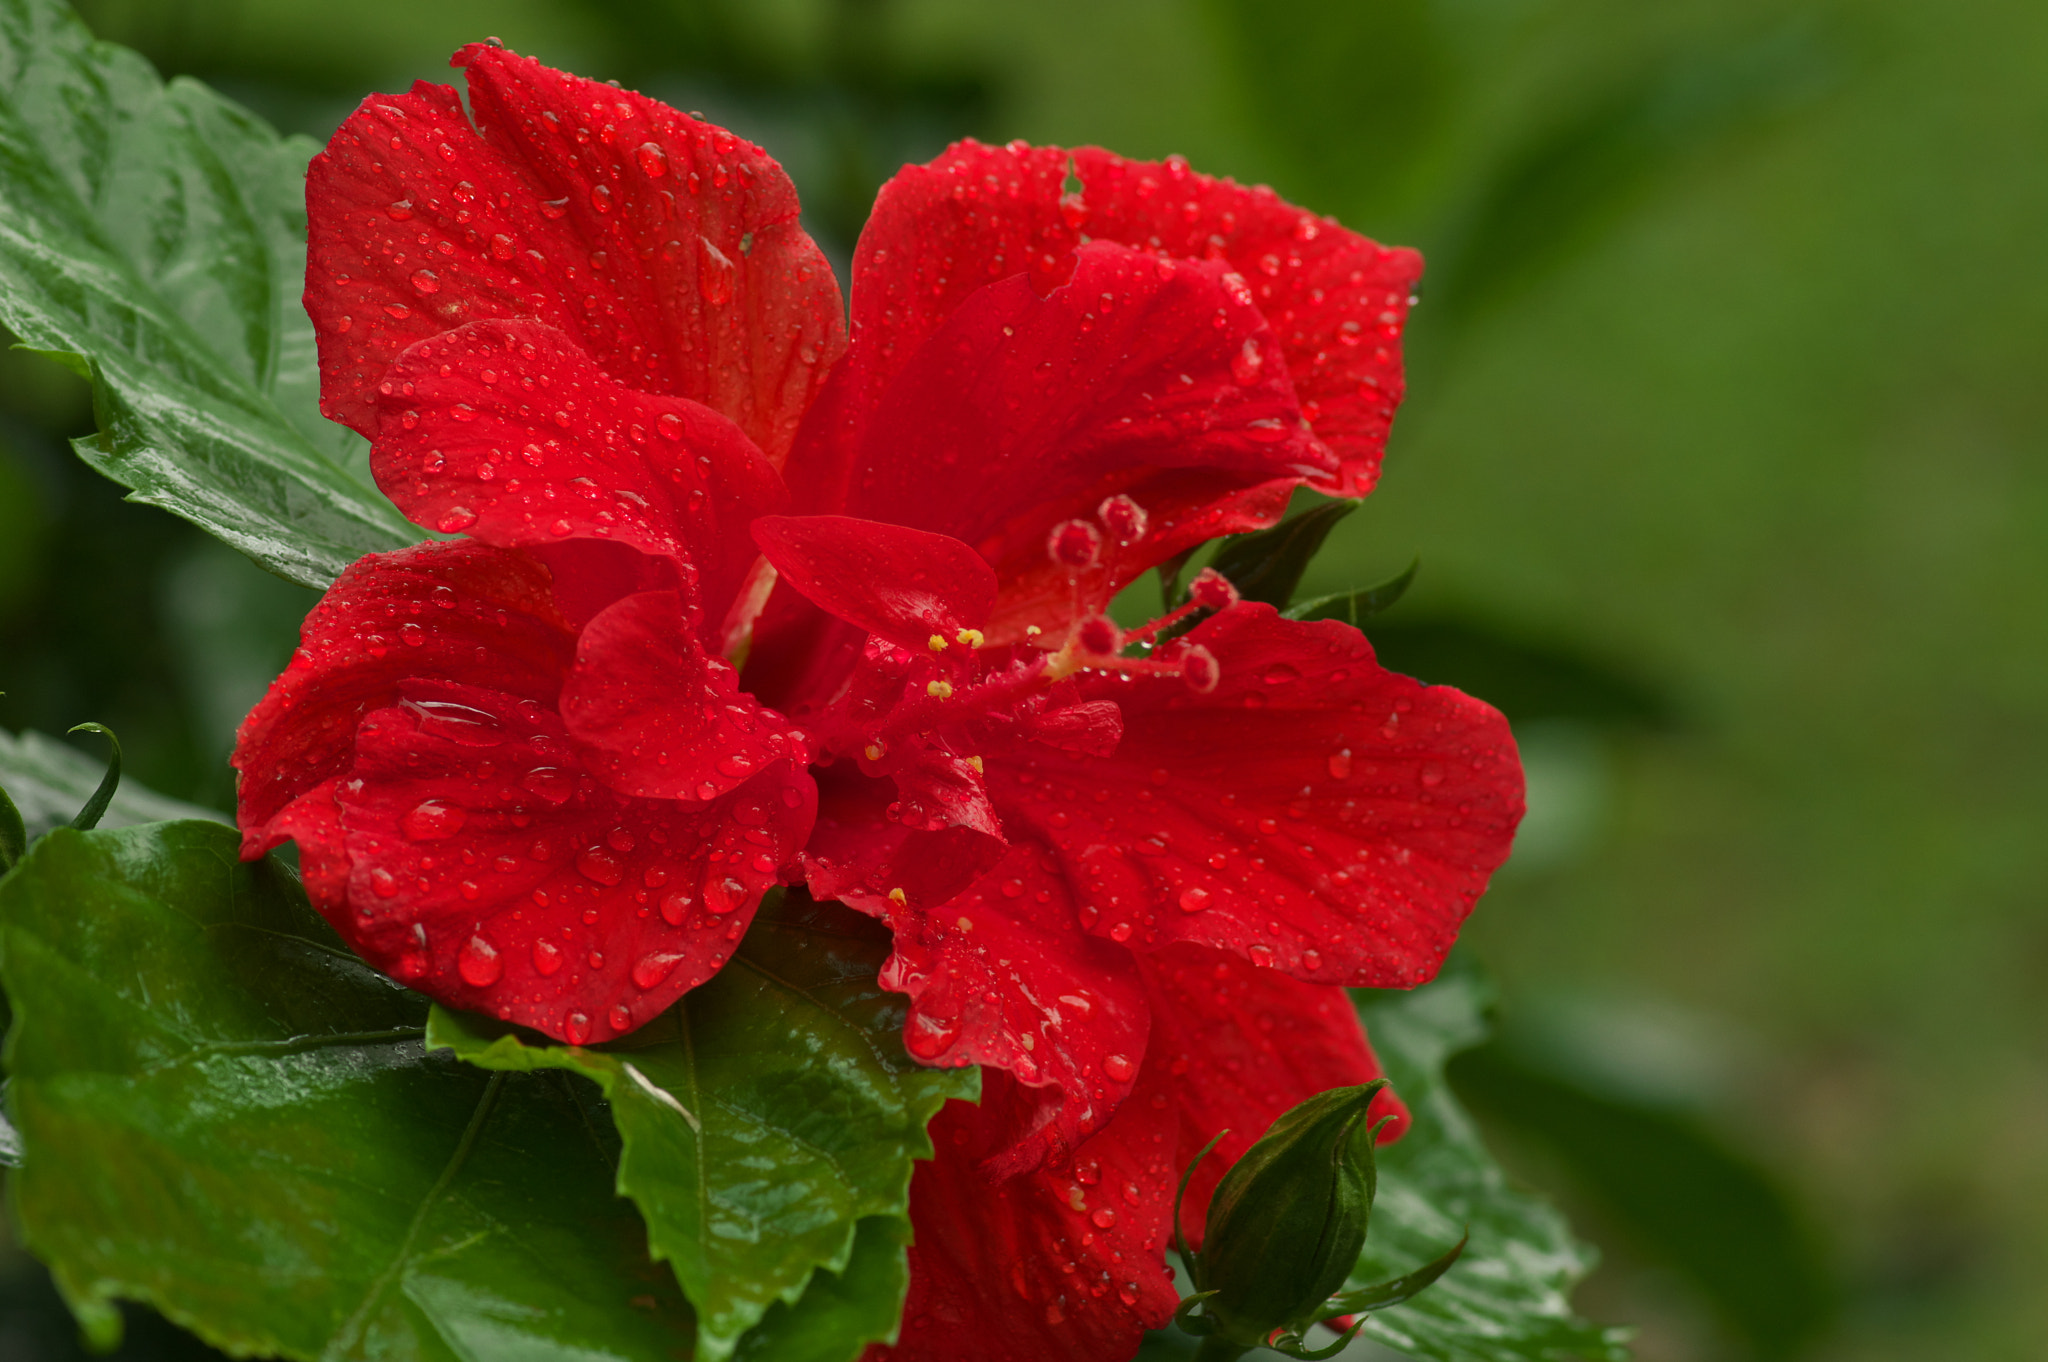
[(730, 607)]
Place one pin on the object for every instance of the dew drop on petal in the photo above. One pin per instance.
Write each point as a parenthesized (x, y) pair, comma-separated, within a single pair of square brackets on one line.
[(459, 518), (621, 1018), (724, 895), (551, 783), (1104, 1218), (1194, 899), (600, 865), (1119, 1068), (432, 821), (576, 1028), (547, 957), (1340, 764), (675, 906), (653, 160), (479, 963), (426, 282), (650, 970), (928, 1037)]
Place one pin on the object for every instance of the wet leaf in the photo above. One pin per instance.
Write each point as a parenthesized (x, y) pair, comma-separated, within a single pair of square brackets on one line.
[(49, 781), (1508, 1297), (764, 1120), (152, 239), (1267, 566), (224, 1114), (1716, 1217)]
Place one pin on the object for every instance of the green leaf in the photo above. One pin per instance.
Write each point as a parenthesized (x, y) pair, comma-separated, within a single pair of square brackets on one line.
[(226, 1115), (1508, 1298), (95, 807), (1267, 565), (1525, 678), (1356, 607), (1714, 1216), (764, 1119), (153, 238), (13, 832), (50, 781)]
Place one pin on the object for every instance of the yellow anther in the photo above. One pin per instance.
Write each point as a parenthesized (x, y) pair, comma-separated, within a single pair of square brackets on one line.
[(971, 637), (875, 751), (939, 690), (897, 897), (1032, 631), (975, 762), (965, 924), (937, 643)]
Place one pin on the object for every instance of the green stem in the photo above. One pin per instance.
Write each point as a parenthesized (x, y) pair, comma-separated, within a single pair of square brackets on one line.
[(1217, 1349)]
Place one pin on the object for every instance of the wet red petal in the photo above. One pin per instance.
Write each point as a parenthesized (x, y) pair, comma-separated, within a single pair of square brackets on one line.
[(488, 870), (1060, 1265), (1021, 412), (1067, 1263), (1244, 1045), (449, 611), (905, 585), (508, 432), (668, 248), (1336, 300), (1001, 976), (1315, 812), (657, 716)]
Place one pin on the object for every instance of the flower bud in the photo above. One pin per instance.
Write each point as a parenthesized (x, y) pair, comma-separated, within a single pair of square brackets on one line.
[(1288, 1220)]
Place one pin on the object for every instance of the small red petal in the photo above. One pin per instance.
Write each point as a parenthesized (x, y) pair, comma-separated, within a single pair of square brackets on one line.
[(902, 584)]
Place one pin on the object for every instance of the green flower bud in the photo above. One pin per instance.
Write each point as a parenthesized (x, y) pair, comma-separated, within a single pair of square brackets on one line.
[(1288, 1220)]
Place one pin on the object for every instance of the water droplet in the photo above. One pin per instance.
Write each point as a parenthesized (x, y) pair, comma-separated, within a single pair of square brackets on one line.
[(1119, 1068), (723, 896), (1311, 960), (547, 957), (400, 211), (715, 273), (464, 724), (600, 865), (576, 1028), (675, 906), (426, 282), (432, 821), (928, 1036), (551, 783), (383, 883), (1120, 932), (397, 311), (621, 1018), (1194, 899), (457, 519), (670, 425), (1247, 363), (650, 970), (479, 963), (1340, 765), (653, 160), (1432, 774), (1104, 1218), (601, 198), (555, 208), (1279, 674)]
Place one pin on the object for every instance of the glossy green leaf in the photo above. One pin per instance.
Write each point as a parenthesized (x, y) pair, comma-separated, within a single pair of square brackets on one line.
[(1508, 1297), (764, 1118), (13, 832), (1356, 607), (1525, 678), (1267, 565), (49, 782), (1717, 1218), (226, 1115), (153, 238)]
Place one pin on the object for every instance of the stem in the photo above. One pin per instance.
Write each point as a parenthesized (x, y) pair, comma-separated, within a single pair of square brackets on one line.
[(1217, 1349)]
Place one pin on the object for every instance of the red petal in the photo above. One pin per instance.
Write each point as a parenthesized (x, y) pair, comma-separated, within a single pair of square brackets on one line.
[(450, 611), (1314, 812), (1244, 1045), (507, 431), (1336, 300), (488, 870), (1048, 1267), (1066, 1264), (658, 717), (1023, 411), (1002, 976), (902, 584), (668, 248)]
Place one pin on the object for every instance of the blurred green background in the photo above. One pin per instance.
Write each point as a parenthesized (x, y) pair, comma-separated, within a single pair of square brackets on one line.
[(1724, 459)]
